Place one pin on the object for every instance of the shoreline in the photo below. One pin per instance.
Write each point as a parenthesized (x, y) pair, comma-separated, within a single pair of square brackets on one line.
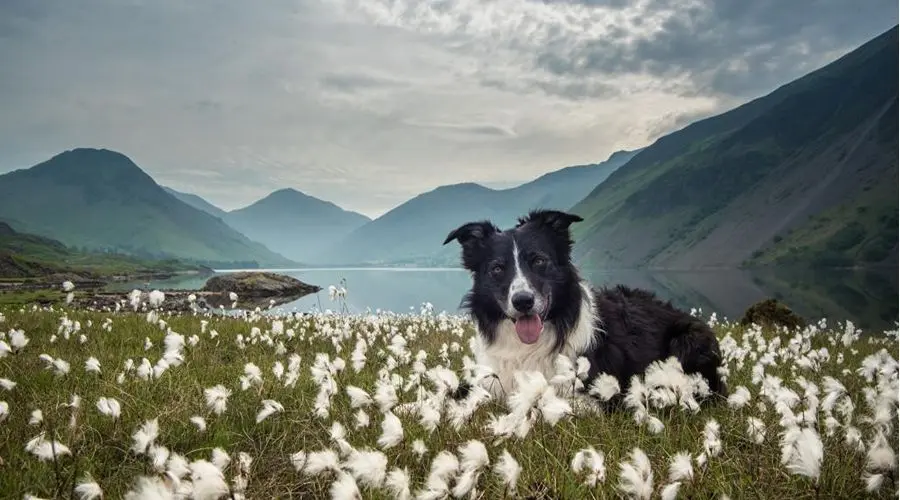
[(88, 280), (179, 300), (253, 289)]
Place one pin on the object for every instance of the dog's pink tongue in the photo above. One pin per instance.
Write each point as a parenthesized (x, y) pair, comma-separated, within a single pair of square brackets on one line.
[(529, 328)]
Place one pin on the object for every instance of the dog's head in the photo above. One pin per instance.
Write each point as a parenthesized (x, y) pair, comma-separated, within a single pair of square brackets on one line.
[(523, 274)]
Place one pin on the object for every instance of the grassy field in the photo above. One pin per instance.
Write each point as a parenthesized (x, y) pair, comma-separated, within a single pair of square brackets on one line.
[(148, 405)]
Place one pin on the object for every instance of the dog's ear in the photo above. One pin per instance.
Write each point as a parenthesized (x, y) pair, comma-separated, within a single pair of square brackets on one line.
[(552, 219), (472, 232), (472, 236), (555, 221)]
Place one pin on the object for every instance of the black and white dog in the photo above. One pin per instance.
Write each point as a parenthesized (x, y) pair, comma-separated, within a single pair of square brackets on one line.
[(530, 304)]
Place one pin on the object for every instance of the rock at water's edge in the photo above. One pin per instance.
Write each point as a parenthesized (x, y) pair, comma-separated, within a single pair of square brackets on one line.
[(771, 313), (258, 284)]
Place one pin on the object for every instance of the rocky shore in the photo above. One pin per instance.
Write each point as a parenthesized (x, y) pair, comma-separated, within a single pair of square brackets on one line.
[(244, 290), (258, 285)]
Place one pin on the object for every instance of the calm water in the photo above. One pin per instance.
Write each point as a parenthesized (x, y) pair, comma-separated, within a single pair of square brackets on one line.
[(868, 299)]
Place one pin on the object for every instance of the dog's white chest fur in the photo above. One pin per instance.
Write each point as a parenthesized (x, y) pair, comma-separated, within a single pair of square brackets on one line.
[(508, 354)]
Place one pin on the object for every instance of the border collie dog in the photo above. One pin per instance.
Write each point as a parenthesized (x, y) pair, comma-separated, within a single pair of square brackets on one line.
[(530, 304)]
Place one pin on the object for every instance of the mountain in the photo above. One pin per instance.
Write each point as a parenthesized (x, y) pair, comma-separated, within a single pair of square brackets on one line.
[(412, 233), (295, 224), (28, 256), (100, 200), (806, 175), (197, 202)]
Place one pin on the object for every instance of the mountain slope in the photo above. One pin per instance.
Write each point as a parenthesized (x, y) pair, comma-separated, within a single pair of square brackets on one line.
[(771, 181), (294, 224), (99, 199), (197, 202), (412, 233), (27, 255)]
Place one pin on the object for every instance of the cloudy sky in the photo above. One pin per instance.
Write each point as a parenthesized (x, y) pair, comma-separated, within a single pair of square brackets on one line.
[(369, 102)]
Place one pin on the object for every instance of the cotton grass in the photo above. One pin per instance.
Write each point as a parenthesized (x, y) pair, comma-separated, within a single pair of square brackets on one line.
[(136, 402)]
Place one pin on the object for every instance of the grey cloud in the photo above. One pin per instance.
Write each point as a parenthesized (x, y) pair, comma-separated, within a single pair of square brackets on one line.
[(567, 88), (484, 129), (617, 4), (353, 81), (731, 47), (205, 106)]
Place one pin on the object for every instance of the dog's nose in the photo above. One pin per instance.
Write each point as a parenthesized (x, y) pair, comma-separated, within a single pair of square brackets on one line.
[(523, 301)]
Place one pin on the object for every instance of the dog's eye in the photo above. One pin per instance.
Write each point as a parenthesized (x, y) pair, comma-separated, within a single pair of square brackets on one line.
[(538, 261), (497, 270)]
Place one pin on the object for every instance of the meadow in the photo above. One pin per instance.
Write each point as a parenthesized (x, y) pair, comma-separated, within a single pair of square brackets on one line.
[(140, 403)]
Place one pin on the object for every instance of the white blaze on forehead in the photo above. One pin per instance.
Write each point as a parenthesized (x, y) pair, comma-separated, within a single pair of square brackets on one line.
[(520, 282)]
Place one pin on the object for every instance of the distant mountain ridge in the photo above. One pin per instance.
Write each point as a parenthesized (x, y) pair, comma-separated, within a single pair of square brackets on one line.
[(295, 224), (287, 221), (805, 175), (197, 202), (99, 199), (102, 201), (412, 232)]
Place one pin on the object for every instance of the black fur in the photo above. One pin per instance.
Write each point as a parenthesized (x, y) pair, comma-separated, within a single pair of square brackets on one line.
[(635, 328), (640, 329)]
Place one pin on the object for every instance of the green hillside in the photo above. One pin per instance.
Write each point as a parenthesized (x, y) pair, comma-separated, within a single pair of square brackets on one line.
[(860, 231), (411, 234), (806, 175), (100, 200), (30, 256)]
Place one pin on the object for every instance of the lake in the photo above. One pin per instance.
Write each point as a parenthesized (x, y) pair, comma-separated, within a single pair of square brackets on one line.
[(868, 299)]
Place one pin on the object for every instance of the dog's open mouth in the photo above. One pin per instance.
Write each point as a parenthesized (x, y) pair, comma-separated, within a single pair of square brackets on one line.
[(530, 326)]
